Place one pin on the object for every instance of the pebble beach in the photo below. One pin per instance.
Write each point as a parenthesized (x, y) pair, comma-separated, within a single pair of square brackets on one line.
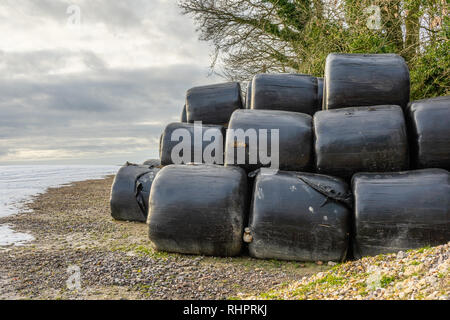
[(71, 226)]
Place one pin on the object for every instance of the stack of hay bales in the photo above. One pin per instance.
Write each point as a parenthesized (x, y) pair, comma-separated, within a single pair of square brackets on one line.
[(360, 168)]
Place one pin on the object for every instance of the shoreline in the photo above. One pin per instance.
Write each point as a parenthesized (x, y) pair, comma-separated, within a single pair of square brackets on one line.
[(20, 184), (72, 226)]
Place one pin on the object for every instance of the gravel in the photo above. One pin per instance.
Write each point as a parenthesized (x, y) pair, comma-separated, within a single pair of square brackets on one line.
[(73, 230), (415, 274)]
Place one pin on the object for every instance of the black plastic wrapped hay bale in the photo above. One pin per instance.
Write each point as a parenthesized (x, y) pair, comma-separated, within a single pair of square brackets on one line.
[(152, 162), (130, 192), (300, 216), (198, 209), (319, 93), (213, 104), (429, 129), (295, 139), (286, 91), (183, 115), (400, 211), (352, 140), (365, 80), (167, 145)]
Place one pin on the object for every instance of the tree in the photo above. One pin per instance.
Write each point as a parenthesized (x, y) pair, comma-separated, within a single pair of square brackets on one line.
[(251, 36), (257, 36)]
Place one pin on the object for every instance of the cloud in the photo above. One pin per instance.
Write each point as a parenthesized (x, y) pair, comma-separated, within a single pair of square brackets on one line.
[(99, 93), (98, 112), (35, 63)]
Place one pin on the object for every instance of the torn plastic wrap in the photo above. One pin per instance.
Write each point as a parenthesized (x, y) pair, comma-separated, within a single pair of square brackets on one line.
[(213, 104), (207, 138), (294, 136), (319, 93), (198, 209), (400, 211), (286, 92), (429, 132), (130, 192), (152, 162), (299, 216), (366, 80), (183, 115), (352, 140)]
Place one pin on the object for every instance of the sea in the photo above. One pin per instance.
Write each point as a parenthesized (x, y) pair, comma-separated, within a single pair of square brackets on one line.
[(18, 184)]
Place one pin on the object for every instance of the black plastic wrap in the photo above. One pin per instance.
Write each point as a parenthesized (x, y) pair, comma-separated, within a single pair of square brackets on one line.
[(198, 209), (286, 91), (130, 192), (160, 145), (429, 132), (167, 145), (295, 138), (319, 93), (400, 211), (366, 80), (300, 216), (352, 140), (183, 115), (248, 95), (213, 104), (152, 162)]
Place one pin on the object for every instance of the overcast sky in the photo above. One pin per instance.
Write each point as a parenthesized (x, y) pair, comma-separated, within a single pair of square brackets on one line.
[(99, 91)]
